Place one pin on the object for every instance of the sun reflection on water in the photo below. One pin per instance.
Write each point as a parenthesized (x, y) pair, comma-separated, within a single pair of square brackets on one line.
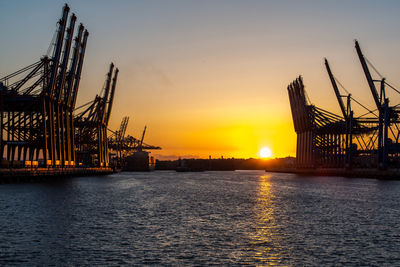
[(266, 239)]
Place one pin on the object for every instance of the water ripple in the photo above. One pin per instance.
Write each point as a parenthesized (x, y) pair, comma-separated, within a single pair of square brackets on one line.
[(197, 219)]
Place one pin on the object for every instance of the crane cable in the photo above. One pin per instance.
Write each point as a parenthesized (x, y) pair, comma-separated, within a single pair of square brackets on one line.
[(355, 100), (52, 43), (381, 76)]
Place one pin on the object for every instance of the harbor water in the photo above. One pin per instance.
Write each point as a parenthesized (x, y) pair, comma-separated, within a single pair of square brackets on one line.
[(201, 218)]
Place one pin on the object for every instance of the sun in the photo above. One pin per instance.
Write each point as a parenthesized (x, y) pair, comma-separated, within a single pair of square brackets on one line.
[(265, 152)]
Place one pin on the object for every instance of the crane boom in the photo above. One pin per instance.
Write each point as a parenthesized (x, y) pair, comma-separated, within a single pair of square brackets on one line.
[(105, 97), (144, 132), (336, 89), (79, 68), (65, 59), (124, 126), (111, 99), (368, 76), (57, 51), (72, 68)]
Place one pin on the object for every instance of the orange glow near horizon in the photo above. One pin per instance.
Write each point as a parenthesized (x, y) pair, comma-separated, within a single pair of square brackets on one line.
[(226, 137)]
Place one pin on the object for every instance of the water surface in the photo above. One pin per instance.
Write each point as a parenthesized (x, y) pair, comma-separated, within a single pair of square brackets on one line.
[(225, 218)]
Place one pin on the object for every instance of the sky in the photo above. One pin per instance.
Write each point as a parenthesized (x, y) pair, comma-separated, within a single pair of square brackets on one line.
[(210, 77)]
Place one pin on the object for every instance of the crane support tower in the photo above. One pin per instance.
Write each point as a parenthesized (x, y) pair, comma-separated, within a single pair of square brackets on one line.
[(327, 140), (37, 102), (42, 133), (91, 125)]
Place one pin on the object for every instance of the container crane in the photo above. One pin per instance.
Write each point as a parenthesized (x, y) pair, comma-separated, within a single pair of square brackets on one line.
[(382, 104), (35, 114), (92, 123)]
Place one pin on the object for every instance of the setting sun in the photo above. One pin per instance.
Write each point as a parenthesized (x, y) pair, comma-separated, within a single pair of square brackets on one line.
[(265, 152)]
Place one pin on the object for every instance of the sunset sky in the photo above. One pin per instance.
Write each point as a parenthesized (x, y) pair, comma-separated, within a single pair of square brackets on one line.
[(210, 77)]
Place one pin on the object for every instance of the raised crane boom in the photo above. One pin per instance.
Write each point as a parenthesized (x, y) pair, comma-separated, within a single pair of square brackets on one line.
[(111, 99), (105, 97), (336, 89), (79, 68), (71, 73), (141, 140), (57, 52), (65, 59), (368, 76), (122, 128)]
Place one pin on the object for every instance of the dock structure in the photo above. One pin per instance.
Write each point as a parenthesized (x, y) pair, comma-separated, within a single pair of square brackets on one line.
[(41, 132), (328, 140), (129, 151)]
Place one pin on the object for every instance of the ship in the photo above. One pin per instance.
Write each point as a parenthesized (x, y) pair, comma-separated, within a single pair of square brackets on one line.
[(130, 153), (139, 161)]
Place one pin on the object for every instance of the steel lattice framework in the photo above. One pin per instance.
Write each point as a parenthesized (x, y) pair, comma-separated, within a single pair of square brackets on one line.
[(37, 102), (124, 146), (91, 125), (325, 139)]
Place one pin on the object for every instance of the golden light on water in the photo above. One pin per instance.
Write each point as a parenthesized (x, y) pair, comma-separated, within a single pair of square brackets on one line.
[(266, 239)]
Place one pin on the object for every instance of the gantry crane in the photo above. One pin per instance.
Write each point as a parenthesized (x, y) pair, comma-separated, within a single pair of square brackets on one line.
[(124, 146), (91, 125), (329, 140), (37, 102)]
